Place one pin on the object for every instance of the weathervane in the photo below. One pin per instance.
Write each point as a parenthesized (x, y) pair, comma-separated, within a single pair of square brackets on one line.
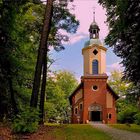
[(94, 14)]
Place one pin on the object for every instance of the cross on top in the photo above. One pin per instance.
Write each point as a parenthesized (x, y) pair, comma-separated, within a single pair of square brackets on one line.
[(94, 14)]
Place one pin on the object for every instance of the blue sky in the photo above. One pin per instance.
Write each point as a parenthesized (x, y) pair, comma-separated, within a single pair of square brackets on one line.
[(71, 58)]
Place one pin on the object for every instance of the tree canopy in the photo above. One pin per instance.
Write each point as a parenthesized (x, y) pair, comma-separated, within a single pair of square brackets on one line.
[(59, 87), (123, 18), (128, 104)]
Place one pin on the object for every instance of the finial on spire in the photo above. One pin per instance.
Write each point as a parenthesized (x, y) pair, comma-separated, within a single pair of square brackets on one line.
[(94, 28), (94, 14)]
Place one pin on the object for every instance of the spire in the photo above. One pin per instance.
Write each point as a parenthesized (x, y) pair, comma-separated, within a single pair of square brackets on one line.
[(94, 28), (93, 14)]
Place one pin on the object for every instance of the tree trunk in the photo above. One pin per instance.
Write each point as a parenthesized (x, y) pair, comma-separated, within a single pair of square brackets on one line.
[(13, 101), (11, 91), (42, 48), (43, 88)]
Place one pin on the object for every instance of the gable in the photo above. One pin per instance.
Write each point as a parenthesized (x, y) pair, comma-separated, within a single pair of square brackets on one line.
[(111, 91), (109, 100), (80, 86), (78, 95)]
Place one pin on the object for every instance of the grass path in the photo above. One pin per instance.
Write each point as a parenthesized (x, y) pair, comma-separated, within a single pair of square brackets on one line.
[(77, 132)]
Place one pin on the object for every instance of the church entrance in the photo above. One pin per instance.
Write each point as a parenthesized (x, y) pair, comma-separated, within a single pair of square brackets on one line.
[(95, 116), (95, 113)]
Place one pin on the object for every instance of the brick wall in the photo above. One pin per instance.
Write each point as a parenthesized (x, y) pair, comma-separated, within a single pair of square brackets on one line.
[(91, 96)]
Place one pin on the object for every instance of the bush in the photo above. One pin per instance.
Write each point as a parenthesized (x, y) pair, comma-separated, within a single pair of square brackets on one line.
[(127, 115), (26, 121), (137, 118)]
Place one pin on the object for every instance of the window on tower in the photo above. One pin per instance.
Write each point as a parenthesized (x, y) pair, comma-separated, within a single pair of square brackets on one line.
[(95, 52), (94, 31), (95, 67), (94, 88)]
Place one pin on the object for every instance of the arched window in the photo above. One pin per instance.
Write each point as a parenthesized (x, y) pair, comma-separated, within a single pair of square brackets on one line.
[(95, 67)]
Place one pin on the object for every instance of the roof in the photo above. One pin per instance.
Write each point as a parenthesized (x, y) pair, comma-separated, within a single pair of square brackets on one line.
[(81, 85), (73, 93), (92, 41), (112, 91), (94, 25)]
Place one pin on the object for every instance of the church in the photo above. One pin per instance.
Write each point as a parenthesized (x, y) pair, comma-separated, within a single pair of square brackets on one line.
[(94, 100)]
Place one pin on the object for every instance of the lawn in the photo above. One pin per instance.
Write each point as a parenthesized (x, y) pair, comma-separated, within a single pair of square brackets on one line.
[(132, 127), (76, 132), (57, 132)]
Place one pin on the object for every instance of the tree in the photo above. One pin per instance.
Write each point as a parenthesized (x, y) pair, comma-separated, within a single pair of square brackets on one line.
[(123, 17), (43, 49), (125, 89), (120, 86), (128, 103), (133, 95), (42, 53), (12, 15), (59, 87)]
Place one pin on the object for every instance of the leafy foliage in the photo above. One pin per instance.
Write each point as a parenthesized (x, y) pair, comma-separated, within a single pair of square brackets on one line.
[(137, 118), (128, 103), (124, 21), (26, 121), (18, 51), (127, 115), (133, 95), (20, 28), (59, 87), (120, 86), (62, 20)]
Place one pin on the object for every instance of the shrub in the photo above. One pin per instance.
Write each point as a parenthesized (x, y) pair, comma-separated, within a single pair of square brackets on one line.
[(137, 118), (127, 115), (26, 121)]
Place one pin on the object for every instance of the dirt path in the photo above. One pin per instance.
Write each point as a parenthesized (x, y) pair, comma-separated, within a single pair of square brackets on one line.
[(117, 134)]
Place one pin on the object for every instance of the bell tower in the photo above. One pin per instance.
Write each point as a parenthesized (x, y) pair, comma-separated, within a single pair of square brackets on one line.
[(94, 53)]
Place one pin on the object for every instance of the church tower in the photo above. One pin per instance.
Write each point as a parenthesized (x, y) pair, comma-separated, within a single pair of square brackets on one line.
[(93, 100), (94, 54)]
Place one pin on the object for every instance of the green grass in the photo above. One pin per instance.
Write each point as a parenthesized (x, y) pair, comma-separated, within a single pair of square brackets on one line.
[(132, 127), (77, 132)]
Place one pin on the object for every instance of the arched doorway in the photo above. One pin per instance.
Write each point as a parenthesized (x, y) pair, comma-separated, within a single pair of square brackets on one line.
[(95, 112)]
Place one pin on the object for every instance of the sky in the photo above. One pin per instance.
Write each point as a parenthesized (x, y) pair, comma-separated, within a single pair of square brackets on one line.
[(71, 58)]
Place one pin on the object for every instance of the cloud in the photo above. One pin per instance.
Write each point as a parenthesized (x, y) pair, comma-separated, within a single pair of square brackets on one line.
[(108, 73), (77, 37), (115, 66)]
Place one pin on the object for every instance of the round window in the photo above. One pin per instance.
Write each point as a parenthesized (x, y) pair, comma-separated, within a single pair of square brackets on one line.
[(94, 87)]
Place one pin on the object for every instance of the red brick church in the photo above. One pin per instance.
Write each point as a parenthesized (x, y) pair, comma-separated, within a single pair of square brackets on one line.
[(94, 100)]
